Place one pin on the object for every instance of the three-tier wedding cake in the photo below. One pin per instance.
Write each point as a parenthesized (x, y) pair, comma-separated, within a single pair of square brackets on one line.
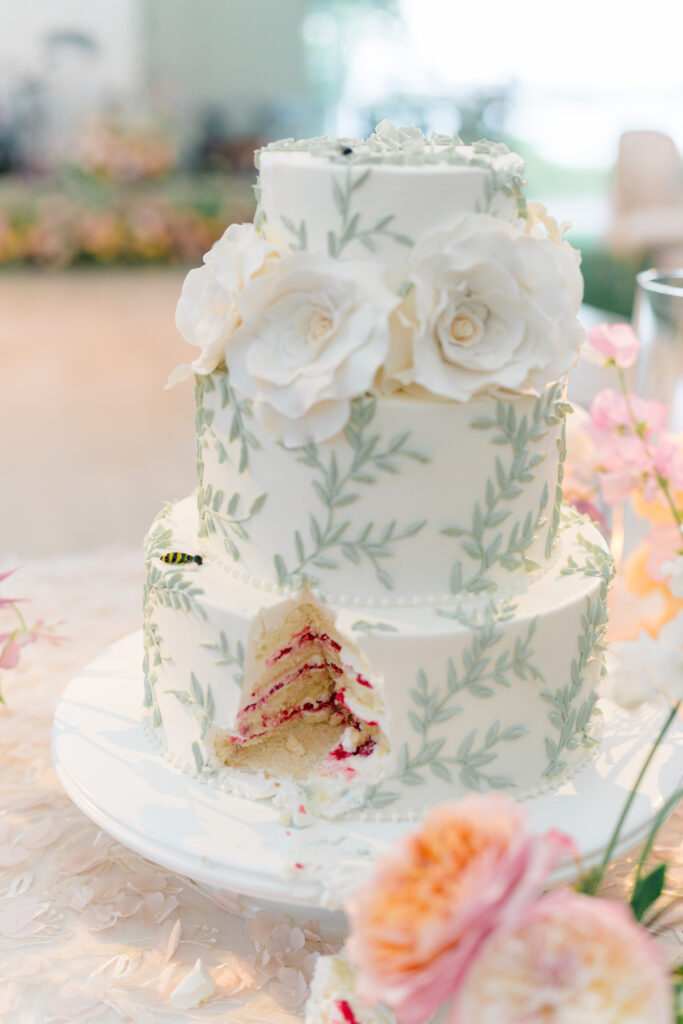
[(376, 600)]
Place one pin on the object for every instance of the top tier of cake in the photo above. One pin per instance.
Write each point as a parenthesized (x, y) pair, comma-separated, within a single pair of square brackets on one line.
[(396, 311), (376, 198)]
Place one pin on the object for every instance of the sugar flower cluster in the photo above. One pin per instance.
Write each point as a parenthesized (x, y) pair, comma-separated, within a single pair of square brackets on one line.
[(453, 922), (22, 634), (634, 451), (486, 306), (621, 451)]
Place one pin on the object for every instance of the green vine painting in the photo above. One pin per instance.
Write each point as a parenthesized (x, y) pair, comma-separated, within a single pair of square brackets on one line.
[(239, 431), (569, 719), (484, 541), (433, 705), (200, 703), (221, 515), (332, 536), (352, 229), (226, 656)]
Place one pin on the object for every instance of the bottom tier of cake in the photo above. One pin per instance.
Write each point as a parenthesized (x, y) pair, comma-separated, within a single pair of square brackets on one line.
[(377, 711)]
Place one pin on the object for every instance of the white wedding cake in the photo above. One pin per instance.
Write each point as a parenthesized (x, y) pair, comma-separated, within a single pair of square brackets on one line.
[(376, 601)]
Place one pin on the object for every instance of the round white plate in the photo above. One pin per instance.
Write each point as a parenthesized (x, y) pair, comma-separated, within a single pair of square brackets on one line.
[(109, 768)]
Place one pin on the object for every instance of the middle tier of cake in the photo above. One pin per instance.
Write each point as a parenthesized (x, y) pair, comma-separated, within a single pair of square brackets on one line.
[(379, 711), (415, 500)]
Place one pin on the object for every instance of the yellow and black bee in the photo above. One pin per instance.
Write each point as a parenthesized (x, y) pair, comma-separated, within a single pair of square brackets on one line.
[(180, 558)]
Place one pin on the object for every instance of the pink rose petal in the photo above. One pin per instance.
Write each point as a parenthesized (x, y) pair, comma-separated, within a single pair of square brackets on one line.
[(168, 938), (20, 918), (42, 834)]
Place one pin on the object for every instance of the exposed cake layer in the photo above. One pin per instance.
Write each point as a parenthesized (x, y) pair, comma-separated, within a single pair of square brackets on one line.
[(481, 692), (303, 696), (349, 199), (415, 500)]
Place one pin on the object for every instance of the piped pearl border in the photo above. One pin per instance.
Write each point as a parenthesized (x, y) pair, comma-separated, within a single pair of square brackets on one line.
[(345, 600), (258, 787)]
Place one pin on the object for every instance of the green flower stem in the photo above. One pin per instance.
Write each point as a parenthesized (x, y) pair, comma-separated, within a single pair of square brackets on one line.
[(639, 428), (658, 822), (22, 625), (337, 490), (15, 608), (595, 878)]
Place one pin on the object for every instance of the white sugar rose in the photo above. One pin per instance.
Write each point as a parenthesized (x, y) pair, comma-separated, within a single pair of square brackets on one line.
[(313, 335), (490, 308), (207, 313)]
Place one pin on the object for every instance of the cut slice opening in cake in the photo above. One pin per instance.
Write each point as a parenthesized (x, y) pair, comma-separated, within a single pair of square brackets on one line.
[(308, 704)]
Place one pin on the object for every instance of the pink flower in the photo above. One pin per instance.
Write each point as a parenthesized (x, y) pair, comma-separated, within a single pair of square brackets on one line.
[(419, 922), (10, 654), (668, 461), (632, 450), (664, 544), (611, 345), (573, 958), (12, 643), (609, 414)]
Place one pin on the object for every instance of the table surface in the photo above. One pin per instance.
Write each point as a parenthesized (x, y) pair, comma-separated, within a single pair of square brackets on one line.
[(92, 932)]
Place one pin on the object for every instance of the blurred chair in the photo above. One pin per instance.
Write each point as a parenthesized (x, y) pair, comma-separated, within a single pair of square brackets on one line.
[(647, 214)]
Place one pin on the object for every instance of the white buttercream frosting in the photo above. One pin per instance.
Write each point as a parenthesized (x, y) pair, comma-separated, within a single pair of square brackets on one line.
[(380, 417)]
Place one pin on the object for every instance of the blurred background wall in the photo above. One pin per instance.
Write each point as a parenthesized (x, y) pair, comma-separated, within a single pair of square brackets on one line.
[(127, 129)]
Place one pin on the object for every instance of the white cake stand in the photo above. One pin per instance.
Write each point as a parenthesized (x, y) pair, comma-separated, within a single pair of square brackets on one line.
[(110, 769)]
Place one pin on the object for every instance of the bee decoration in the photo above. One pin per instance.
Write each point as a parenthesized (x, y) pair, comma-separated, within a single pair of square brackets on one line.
[(346, 150), (180, 558)]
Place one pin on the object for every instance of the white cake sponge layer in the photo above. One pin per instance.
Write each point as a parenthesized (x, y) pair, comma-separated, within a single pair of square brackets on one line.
[(477, 694)]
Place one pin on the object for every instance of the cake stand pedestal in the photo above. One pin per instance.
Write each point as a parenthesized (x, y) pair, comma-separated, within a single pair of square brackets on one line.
[(112, 772)]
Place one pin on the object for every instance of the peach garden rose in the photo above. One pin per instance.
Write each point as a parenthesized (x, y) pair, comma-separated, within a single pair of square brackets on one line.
[(418, 924), (573, 960)]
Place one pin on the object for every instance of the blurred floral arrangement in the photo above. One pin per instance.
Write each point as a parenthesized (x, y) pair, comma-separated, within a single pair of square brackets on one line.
[(22, 634), (113, 150), (453, 926), (123, 200), (622, 463)]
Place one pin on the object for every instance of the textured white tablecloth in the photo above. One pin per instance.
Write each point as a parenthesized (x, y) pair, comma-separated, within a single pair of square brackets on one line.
[(90, 931)]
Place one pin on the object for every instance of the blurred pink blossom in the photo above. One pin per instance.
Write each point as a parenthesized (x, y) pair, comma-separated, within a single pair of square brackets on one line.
[(610, 415), (13, 641), (421, 920), (664, 544), (571, 958), (611, 345), (633, 453)]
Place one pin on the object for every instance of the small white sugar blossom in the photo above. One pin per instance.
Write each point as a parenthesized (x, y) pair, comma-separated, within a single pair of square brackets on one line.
[(194, 989), (540, 224), (333, 998), (491, 307), (207, 313), (313, 335), (643, 668)]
